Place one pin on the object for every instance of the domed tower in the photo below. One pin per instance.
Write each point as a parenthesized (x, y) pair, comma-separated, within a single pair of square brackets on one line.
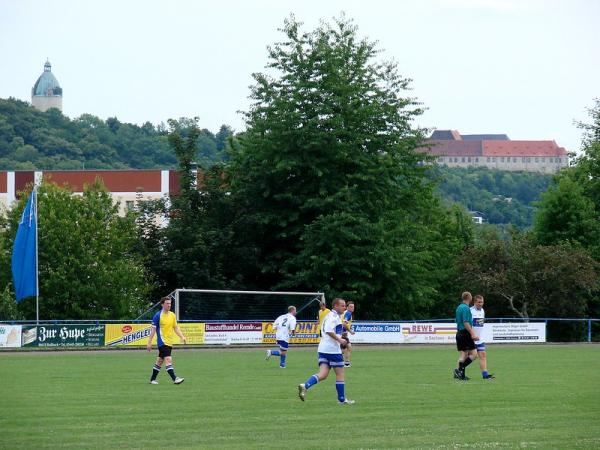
[(46, 92)]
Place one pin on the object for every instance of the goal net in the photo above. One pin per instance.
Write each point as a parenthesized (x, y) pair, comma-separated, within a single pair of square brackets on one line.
[(222, 305)]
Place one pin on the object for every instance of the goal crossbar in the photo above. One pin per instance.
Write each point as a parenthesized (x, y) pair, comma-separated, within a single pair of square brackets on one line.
[(320, 295)]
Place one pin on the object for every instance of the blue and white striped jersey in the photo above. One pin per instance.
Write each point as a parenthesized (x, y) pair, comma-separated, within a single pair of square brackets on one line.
[(478, 323), (332, 323)]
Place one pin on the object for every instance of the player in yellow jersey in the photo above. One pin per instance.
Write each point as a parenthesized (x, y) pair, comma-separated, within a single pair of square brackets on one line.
[(323, 311), (347, 319), (164, 325)]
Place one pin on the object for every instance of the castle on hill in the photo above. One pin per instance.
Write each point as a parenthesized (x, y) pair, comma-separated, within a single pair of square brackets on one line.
[(495, 151)]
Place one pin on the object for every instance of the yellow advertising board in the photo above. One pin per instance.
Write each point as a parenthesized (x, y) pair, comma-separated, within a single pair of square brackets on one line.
[(305, 333), (136, 335), (193, 332), (127, 334)]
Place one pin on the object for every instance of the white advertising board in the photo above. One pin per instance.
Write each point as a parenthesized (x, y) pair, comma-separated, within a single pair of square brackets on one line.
[(10, 335), (376, 333), (233, 333), (512, 332), (429, 333)]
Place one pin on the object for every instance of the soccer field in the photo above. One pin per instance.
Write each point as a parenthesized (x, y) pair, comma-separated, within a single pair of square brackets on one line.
[(544, 397)]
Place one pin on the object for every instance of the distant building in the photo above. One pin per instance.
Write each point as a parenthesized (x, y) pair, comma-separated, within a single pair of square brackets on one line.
[(478, 217), (46, 92), (495, 151), (126, 186)]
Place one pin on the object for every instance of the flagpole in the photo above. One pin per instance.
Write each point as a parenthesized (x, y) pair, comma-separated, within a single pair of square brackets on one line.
[(37, 286)]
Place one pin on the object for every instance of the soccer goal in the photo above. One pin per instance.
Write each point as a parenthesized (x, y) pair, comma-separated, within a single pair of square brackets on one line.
[(223, 305)]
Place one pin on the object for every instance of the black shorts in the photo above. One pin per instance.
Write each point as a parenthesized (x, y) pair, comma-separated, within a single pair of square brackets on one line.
[(464, 342), (164, 351)]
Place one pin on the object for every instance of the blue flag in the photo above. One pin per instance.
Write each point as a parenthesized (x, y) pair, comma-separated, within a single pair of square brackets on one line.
[(24, 257)]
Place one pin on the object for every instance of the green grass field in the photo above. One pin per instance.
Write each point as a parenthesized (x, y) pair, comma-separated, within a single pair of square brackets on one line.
[(543, 397)]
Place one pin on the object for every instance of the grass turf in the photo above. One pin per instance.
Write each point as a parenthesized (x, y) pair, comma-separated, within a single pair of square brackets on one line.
[(543, 397)]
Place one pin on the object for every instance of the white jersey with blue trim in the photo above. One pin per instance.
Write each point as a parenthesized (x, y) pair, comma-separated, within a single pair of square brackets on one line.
[(331, 323), (283, 325), (478, 322)]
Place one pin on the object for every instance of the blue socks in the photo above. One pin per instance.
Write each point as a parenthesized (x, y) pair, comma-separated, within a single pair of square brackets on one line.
[(339, 387), (275, 353), (485, 374), (311, 381), (282, 360)]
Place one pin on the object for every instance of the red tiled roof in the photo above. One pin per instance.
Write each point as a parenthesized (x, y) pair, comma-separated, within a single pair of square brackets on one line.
[(493, 148), (522, 148), (453, 148), (114, 180)]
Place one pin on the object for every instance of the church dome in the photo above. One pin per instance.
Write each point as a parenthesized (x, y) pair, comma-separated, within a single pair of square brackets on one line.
[(47, 84)]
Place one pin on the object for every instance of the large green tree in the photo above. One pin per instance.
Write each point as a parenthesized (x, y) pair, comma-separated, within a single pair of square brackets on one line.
[(586, 170), (519, 277), (570, 210), (566, 215), (326, 179), (88, 266)]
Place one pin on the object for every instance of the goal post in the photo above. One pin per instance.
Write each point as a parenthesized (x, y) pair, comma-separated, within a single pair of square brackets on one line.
[(225, 305)]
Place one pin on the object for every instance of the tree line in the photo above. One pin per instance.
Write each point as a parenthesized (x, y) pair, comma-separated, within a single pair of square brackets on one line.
[(35, 140), (325, 190)]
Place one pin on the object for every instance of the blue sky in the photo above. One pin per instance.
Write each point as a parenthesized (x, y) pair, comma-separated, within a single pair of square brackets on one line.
[(526, 68)]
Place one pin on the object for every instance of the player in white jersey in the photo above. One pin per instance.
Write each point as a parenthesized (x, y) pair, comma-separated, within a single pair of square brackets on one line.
[(478, 322), (284, 326), (330, 354)]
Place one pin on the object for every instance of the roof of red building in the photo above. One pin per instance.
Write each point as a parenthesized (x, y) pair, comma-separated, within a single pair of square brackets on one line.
[(127, 181), (522, 148), (492, 148), (454, 148), (451, 143), (485, 137), (114, 180)]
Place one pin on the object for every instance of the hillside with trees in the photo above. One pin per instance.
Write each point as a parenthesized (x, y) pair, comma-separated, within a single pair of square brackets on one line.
[(502, 197), (35, 140)]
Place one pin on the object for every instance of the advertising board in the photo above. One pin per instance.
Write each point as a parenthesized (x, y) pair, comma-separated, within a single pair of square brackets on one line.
[(10, 336), (429, 333), (516, 332), (376, 333), (127, 334), (63, 336), (306, 333), (233, 333), (135, 334)]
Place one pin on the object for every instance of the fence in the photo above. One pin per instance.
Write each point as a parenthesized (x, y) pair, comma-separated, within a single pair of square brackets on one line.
[(558, 329), (97, 333)]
